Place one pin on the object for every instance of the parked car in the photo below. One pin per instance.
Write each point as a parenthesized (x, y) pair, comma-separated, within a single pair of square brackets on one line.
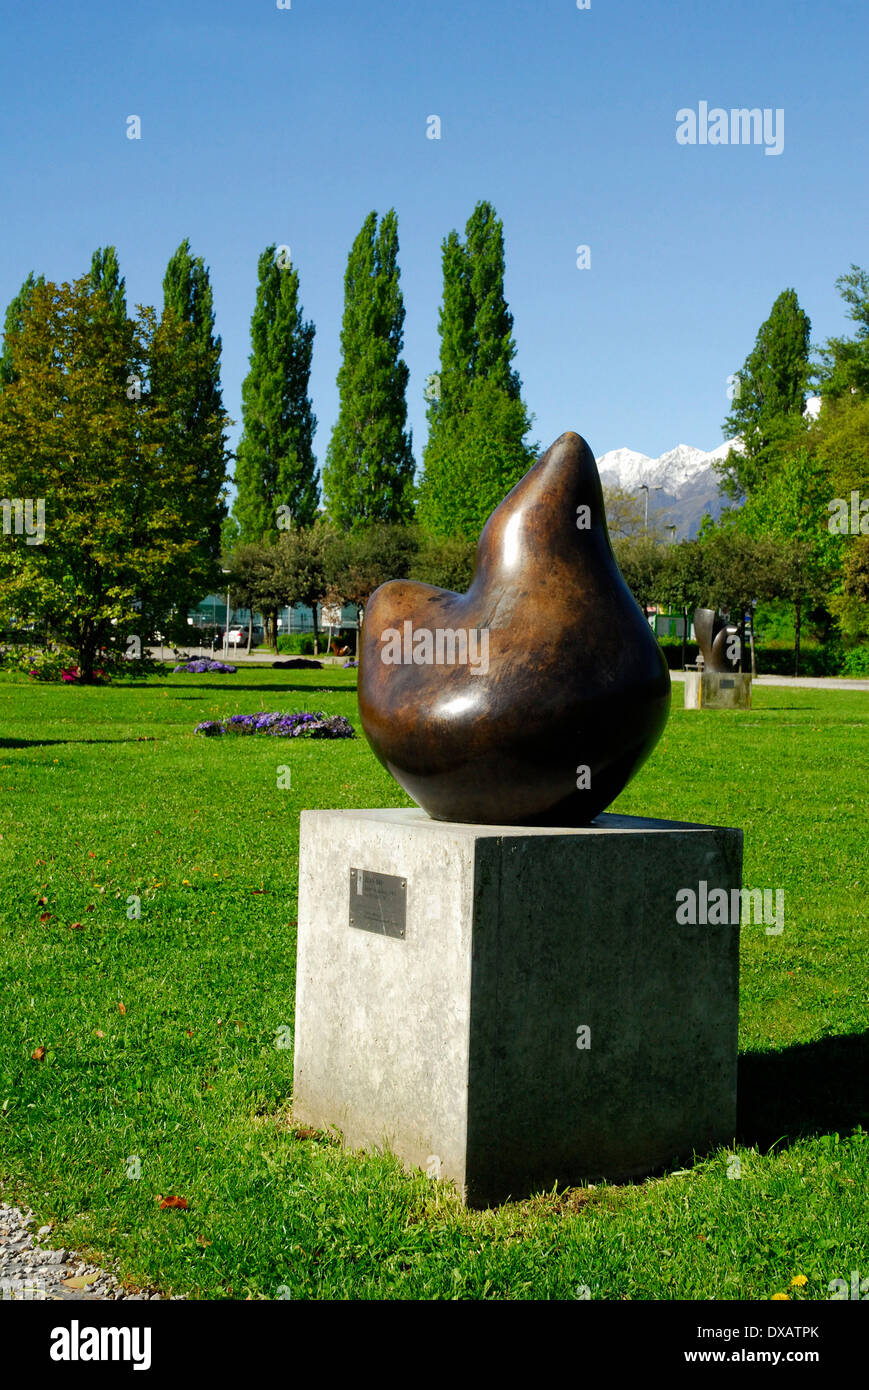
[(237, 636)]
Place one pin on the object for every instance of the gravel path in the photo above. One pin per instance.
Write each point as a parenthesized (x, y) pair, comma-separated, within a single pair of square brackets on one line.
[(30, 1271)]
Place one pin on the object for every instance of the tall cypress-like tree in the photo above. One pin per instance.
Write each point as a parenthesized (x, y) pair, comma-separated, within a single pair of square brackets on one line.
[(190, 380), (770, 396), (14, 322), (494, 347), (449, 395), (106, 278), (369, 463), (477, 420), (275, 464)]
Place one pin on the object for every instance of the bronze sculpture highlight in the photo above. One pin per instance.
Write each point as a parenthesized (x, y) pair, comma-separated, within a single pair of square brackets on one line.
[(534, 697)]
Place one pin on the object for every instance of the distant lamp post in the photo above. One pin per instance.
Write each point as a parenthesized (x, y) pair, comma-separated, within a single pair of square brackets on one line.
[(226, 629), (644, 487)]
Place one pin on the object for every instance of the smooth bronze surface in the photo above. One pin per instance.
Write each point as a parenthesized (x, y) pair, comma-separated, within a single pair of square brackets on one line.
[(713, 635), (554, 668)]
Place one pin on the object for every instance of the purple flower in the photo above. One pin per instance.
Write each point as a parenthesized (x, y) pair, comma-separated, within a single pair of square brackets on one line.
[(299, 724), (200, 666)]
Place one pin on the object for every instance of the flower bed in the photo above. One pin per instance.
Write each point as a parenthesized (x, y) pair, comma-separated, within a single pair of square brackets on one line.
[(280, 725), (201, 665)]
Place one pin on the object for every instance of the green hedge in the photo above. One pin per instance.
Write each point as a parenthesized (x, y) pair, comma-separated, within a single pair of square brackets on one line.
[(298, 644), (777, 658)]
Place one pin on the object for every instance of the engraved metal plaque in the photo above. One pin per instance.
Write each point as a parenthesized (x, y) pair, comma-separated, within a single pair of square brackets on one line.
[(726, 685), (378, 902)]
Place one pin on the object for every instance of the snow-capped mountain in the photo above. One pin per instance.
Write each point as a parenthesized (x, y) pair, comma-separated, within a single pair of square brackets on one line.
[(689, 484)]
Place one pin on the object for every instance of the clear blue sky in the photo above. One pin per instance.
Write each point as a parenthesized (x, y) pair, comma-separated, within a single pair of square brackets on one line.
[(262, 125)]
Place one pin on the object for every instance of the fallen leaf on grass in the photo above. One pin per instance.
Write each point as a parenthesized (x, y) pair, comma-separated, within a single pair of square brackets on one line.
[(42, 902), (76, 926), (200, 1240), (174, 1202), (38, 1054), (122, 1008), (100, 1033), (44, 916)]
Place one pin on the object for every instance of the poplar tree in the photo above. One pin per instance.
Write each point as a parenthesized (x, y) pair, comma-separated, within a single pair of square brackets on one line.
[(275, 464), (770, 395), (14, 322), (475, 451), (188, 384), (106, 280), (368, 475)]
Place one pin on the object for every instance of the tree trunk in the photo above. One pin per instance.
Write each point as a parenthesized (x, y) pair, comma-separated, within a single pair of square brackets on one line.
[(249, 630), (798, 615), (684, 637), (316, 629), (86, 654)]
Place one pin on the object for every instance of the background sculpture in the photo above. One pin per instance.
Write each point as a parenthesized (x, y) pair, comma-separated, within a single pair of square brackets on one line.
[(535, 696), (714, 638)]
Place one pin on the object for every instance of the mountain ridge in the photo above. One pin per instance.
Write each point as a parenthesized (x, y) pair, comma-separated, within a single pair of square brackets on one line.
[(690, 488)]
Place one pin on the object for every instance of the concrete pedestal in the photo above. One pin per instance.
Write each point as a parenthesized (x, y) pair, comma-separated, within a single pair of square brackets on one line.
[(511, 1007), (717, 690)]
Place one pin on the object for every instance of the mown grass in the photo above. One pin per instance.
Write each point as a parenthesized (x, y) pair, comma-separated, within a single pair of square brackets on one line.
[(165, 1035)]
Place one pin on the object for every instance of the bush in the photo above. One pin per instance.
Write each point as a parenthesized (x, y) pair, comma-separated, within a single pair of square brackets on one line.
[(672, 649), (855, 661), (298, 644), (47, 664)]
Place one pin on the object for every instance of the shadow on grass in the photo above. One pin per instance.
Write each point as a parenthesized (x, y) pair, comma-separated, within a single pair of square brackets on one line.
[(808, 1089), (52, 742)]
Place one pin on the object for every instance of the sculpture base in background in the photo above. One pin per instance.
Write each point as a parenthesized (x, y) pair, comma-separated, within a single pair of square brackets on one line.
[(510, 1007), (717, 690)]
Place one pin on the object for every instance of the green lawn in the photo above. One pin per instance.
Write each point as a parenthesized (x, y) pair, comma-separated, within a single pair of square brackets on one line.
[(161, 1032)]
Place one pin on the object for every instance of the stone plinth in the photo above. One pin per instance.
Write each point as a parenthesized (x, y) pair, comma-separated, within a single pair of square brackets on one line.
[(717, 690), (513, 1007)]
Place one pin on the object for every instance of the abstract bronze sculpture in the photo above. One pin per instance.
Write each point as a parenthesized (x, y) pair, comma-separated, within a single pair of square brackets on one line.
[(715, 639), (534, 697)]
